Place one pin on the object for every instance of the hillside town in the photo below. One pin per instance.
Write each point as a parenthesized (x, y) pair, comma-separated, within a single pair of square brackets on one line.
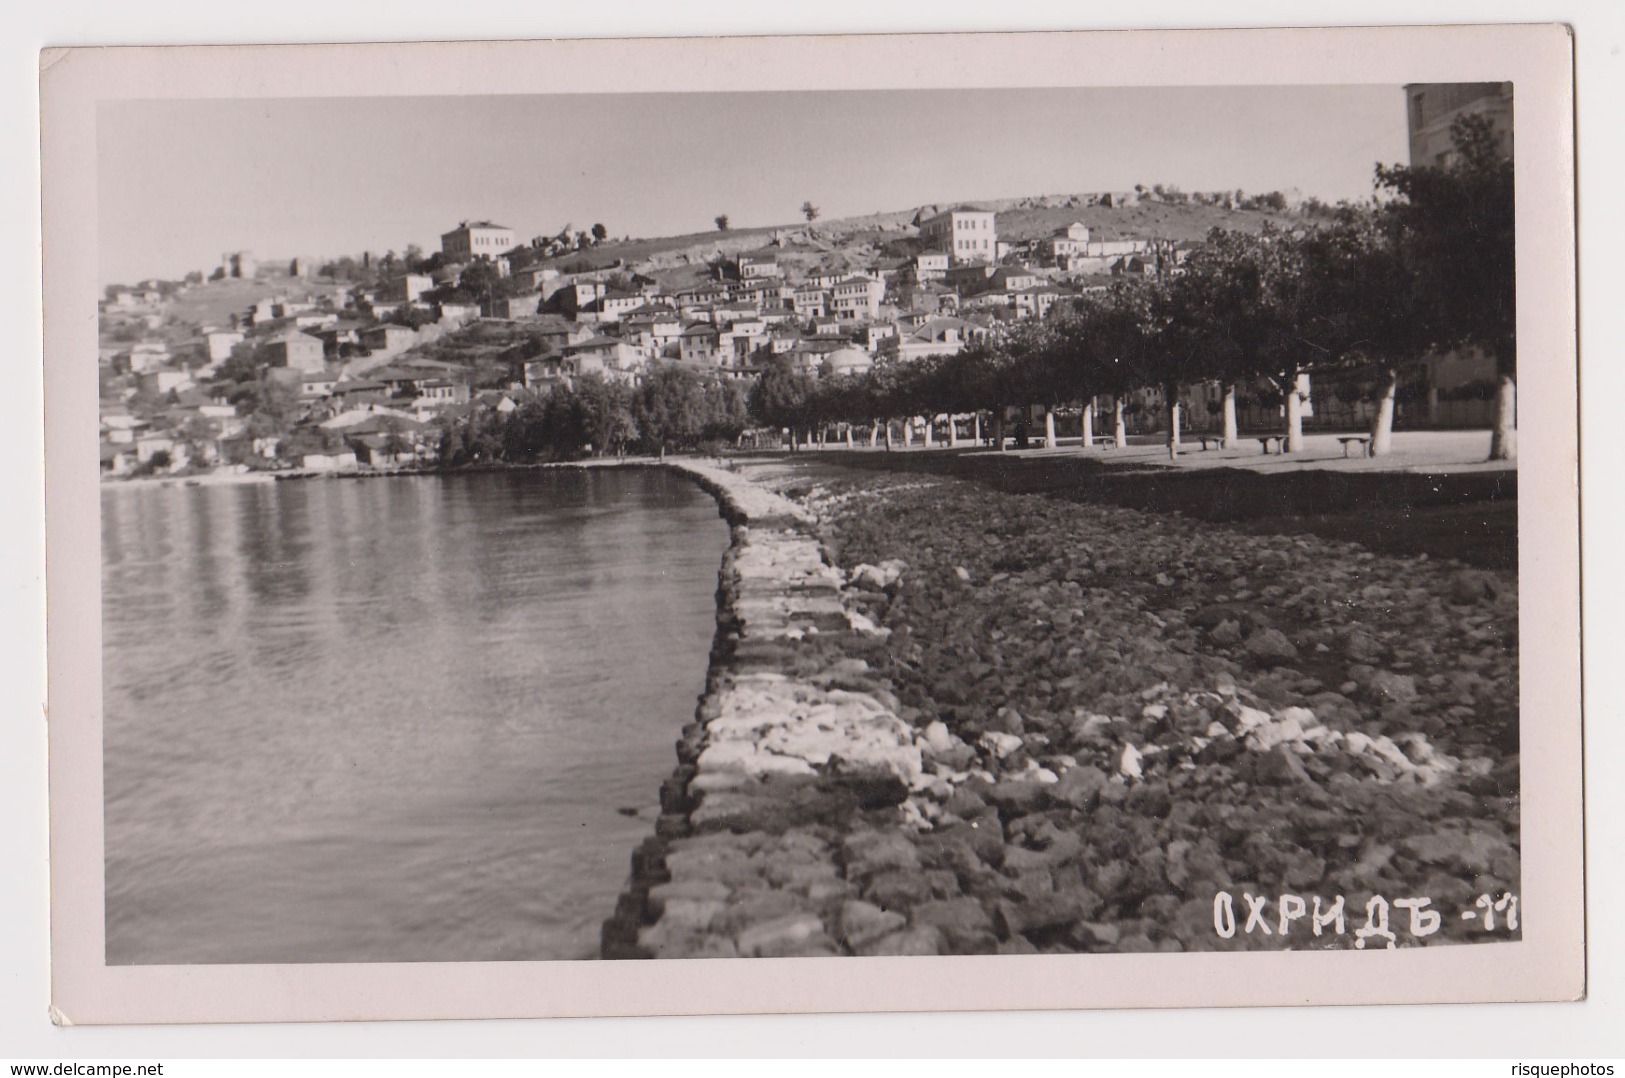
[(360, 362), (370, 362)]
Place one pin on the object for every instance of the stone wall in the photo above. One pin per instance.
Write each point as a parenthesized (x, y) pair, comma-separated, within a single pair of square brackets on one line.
[(791, 780)]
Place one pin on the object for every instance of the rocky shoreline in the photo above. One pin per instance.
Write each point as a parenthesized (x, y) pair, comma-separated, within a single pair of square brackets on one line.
[(794, 746), (941, 720)]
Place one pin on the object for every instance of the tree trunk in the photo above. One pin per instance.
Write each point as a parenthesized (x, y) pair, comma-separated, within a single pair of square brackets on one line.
[(908, 432), (930, 439), (953, 432), (1294, 416), (849, 436), (976, 427), (1231, 433), (1049, 428), (874, 434), (1504, 435), (1382, 424), (1089, 423), (886, 426), (1173, 422), (1119, 425), (998, 428)]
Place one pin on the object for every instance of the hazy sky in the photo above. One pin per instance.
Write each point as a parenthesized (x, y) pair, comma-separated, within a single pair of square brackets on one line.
[(180, 182)]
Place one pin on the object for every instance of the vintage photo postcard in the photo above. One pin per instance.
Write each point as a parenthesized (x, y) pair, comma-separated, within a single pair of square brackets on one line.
[(624, 527)]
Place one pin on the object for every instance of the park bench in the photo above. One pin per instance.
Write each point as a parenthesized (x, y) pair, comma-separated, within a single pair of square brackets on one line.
[(1362, 440), (1216, 439), (1279, 440)]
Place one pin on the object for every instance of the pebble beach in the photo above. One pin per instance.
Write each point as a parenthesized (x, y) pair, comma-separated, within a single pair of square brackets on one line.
[(943, 718)]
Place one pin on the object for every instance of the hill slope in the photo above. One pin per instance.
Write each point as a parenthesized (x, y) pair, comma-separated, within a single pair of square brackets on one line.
[(849, 242)]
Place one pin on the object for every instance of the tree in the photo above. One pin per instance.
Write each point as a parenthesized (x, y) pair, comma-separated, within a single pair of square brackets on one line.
[(599, 233), (989, 372), (809, 211), (722, 222), (411, 317), (1363, 299), (782, 396), (727, 410), (271, 406), (605, 413), (197, 434), (525, 434), (1457, 228), (396, 442), (1097, 343), (670, 407), (1242, 308), (479, 280), (1210, 307)]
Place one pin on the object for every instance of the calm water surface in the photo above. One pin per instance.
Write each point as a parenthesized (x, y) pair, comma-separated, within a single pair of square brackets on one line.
[(392, 719)]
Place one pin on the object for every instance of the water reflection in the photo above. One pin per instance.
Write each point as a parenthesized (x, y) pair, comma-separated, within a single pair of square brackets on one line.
[(392, 720)]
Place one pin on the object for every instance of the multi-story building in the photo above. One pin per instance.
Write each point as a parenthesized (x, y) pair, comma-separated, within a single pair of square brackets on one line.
[(966, 233), (1066, 242), (220, 342), (388, 338), (768, 293), (522, 305), (754, 267), (1431, 107), (406, 288), (297, 350), (857, 297), (930, 266), (476, 239), (939, 337), (699, 345), (612, 306)]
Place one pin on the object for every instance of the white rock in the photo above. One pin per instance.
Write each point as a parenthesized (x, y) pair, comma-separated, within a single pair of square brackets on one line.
[(1302, 715), (1250, 717), (939, 738), (860, 622), (1129, 764), (1001, 744)]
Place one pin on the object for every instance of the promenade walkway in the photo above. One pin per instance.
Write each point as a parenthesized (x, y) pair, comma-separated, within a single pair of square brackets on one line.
[(1423, 452)]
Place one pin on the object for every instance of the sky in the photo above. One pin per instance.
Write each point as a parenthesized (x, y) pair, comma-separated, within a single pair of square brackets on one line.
[(181, 182)]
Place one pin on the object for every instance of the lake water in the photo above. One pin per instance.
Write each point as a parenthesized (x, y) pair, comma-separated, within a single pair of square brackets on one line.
[(393, 719)]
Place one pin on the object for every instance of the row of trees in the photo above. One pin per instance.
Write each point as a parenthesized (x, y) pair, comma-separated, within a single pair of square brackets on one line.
[(1368, 290), (672, 408)]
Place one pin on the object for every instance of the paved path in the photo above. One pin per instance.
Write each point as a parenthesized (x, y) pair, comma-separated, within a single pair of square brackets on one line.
[(1427, 452)]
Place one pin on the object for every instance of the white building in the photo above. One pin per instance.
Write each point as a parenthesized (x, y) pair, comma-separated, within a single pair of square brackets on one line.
[(965, 233), (476, 239)]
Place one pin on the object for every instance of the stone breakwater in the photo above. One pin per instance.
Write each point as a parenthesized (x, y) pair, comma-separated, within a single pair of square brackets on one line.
[(942, 721), (792, 772)]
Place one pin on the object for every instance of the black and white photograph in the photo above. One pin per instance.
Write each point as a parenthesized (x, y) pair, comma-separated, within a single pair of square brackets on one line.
[(611, 527)]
